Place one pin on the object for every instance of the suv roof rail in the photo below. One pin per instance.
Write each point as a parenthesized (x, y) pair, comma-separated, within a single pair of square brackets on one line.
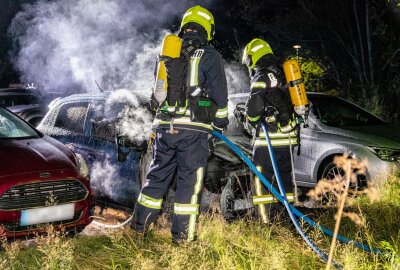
[(51, 104)]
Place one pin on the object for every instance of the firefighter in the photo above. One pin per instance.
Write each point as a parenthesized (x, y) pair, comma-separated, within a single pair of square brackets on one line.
[(183, 127), (269, 103)]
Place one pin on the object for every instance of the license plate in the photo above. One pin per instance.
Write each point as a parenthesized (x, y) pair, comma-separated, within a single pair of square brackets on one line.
[(47, 214)]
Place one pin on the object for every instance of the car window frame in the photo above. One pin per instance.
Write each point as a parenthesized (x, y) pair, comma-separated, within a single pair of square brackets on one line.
[(317, 117), (84, 128), (91, 114)]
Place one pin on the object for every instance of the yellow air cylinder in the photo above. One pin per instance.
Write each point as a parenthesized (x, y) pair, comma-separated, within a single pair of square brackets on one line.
[(296, 87), (171, 47)]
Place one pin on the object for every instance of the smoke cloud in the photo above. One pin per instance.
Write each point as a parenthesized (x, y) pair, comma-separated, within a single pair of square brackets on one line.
[(133, 120), (67, 45), (238, 81), (106, 181)]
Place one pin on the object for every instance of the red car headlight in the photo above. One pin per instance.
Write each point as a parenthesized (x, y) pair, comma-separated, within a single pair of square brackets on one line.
[(82, 166)]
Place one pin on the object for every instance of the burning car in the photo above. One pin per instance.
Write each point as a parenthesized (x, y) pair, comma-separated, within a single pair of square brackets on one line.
[(94, 126), (41, 181)]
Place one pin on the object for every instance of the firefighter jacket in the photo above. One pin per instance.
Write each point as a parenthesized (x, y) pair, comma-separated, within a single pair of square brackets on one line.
[(270, 103), (205, 75)]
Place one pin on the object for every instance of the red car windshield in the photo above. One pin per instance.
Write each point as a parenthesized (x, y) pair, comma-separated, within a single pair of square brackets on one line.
[(11, 127)]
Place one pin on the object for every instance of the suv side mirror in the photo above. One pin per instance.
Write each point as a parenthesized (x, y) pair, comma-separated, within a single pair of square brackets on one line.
[(125, 146)]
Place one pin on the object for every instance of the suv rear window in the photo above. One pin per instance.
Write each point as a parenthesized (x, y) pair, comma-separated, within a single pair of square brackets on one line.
[(72, 117)]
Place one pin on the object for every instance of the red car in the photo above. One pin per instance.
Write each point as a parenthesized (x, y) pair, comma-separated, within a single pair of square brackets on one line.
[(41, 181)]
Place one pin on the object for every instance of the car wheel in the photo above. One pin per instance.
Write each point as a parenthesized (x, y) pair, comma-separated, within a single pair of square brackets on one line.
[(228, 201), (235, 201), (331, 172)]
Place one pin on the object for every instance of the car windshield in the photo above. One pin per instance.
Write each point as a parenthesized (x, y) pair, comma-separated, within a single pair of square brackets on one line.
[(11, 127), (14, 100), (336, 112)]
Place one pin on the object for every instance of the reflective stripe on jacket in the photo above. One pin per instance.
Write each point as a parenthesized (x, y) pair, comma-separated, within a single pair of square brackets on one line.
[(277, 139)]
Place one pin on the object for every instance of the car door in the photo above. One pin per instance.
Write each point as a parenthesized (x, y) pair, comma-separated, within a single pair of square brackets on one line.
[(304, 158), (112, 181)]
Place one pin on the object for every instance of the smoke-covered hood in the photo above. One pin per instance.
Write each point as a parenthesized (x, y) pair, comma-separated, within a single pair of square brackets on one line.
[(377, 135), (34, 155)]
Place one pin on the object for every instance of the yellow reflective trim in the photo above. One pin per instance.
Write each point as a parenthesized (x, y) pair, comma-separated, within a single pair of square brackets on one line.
[(206, 16), (222, 113), (288, 127), (261, 208), (194, 67), (279, 135), (266, 199), (253, 119), (186, 209), (149, 202), (258, 85), (276, 142), (262, 199), (194, 200), (184, 121)]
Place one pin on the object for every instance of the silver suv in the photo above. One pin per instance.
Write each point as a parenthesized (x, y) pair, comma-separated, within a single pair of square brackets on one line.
[(336, 127)]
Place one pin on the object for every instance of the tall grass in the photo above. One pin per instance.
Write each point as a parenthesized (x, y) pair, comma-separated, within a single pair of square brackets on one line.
[(244, 244)]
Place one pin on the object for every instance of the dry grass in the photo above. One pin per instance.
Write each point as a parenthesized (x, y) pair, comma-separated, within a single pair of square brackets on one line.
[(244, 244)]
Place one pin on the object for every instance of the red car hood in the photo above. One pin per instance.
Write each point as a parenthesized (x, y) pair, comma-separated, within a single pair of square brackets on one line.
[(33, 155)]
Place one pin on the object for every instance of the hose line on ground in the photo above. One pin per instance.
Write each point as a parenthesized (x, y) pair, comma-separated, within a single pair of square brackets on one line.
[(112, 226)]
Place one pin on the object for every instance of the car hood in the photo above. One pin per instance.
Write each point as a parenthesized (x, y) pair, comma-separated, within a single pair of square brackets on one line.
[(34, 155), (377, 135)]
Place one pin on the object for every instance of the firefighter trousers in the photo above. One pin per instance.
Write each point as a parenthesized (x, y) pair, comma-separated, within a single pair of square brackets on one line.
[(267, 206), (183, 155)]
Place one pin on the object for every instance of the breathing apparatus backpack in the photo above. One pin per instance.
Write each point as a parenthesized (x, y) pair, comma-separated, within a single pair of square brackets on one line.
[(170, 76), (172, 91), (297, 90)]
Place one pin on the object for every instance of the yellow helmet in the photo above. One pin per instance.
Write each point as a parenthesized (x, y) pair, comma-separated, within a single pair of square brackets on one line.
[(202, 16), (254, 50)]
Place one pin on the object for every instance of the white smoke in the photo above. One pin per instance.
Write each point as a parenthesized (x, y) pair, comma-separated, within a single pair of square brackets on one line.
[(238, 80), (105, 179), (133, 120), (67, 45)]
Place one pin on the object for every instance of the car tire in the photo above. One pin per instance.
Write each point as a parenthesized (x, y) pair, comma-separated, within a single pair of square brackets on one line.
[(331, 170), (228, 201)]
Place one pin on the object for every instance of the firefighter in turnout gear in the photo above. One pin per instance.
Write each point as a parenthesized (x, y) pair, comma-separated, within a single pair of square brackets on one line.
[(196, 104), (269, 102)]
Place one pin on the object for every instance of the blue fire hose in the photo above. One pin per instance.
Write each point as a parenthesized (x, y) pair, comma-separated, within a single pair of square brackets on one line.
[(323, 255), (281, 199)]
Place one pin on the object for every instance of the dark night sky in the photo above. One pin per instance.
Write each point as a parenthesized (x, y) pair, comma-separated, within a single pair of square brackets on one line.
[(354, 42)]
